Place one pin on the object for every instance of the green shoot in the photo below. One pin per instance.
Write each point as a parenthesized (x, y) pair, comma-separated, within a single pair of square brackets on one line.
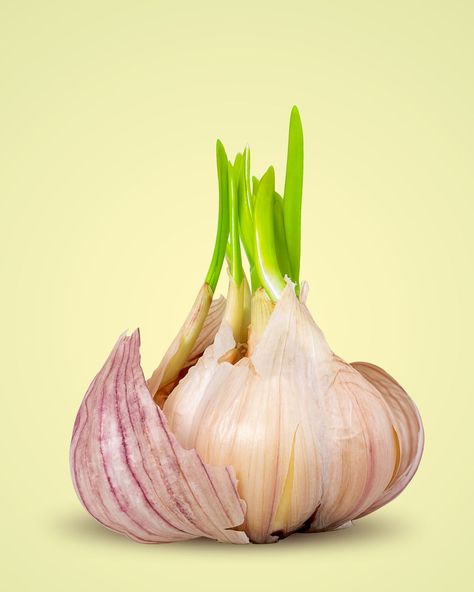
[(223, 219), (266, 260), (293, 193)]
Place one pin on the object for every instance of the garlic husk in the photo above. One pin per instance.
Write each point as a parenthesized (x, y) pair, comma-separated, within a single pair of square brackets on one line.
[(232, 332), (130, 472), (407, 425), (185, 403), (197, 333), (314, 444)]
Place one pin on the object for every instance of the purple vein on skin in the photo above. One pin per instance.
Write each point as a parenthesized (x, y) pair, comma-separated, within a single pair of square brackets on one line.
[(187, 512), (129, 367), (84, 417), (124, 449), (84, 409), (74, 447), (109, 480), (86, 450), (80, 445), (91, 389), (204, 512), (101, 416), (164, 477), (84, 447), (80, 416)]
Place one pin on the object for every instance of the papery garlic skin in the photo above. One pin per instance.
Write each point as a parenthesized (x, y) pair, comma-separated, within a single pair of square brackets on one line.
[(196, 334), (314, 444), (130, 472), (408, 428)]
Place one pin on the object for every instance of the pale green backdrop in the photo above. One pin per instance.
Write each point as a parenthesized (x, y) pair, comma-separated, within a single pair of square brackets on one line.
[(109, 114)]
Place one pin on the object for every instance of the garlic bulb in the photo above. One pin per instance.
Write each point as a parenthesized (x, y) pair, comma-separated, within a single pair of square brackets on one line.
[(251, 428)]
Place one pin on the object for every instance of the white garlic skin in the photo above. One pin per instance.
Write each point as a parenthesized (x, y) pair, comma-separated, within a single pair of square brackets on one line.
[(313, 443)]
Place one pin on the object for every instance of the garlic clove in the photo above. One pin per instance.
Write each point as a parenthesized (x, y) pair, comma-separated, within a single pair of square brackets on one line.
[(241, 422), (197, 333), (407, 425), (358, 447), (259, 415), (184, 403), (130, 472), (187, 402)]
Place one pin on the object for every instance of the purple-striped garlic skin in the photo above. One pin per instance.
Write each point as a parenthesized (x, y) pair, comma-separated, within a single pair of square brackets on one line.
[(130, 472)]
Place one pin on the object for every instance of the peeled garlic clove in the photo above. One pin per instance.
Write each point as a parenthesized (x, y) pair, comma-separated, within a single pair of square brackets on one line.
[(407, 425), (197, 333), (130, 472)]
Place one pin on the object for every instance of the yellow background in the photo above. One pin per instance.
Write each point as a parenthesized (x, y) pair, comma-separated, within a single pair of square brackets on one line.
[(109, 115)]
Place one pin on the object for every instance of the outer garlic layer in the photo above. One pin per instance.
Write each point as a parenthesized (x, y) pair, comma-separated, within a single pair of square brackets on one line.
[(130, 472), (314, 442)]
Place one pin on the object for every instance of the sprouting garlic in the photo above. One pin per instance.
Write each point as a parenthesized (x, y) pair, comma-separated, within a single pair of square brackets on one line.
[(251, 428), (130, 472), (314, 443)]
